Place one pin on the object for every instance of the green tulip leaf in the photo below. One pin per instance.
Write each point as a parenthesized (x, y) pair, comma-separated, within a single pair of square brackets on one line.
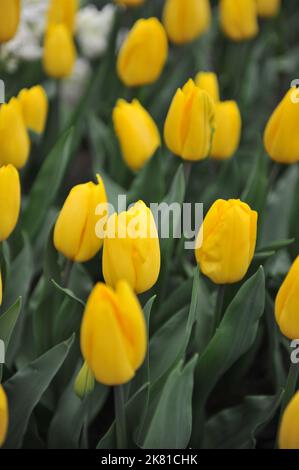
[(30, 383), (68, 293), (8, 322)]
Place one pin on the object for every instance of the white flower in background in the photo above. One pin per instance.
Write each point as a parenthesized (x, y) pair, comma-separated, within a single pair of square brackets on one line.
[(93, 27), (73, 86)]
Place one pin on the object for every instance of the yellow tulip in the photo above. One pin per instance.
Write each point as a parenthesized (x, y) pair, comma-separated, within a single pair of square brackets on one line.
[(238, 19), (75, 230), (10, 18), (129, 3), (228, 125), (143, 54), (268, 8), (34, 104), (289, 432), (84, 383), (63, 11), (131, 249), (14, 139), (287, 303), (186, 20), (113, 334), (59, 52), (3, 415), (208, 81), (10, 200), (228, 237), (280, 137), (189, 124), (137, 133)]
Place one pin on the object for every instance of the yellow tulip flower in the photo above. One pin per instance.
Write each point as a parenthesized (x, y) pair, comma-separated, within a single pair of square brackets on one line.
[(59, 52), (287, 303), (10, 18), (238, 19), (288, 432), (3, 415), (10, 200), (34, 104)]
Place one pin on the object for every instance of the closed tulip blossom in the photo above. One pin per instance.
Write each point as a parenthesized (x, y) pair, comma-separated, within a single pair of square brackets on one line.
[(287, 303), (280, 136), (34, 104), (113, 334), (75, 229), (238, 19), (228, 238), (268, 8), (189, 125), (186, 20), (59, 52), (143, 54), (131, 249), (288, 432), (63, 11), (137, 133), (10, 200), (3, 415), (208, 81), (10, 18), (228, 125), (14, 139)]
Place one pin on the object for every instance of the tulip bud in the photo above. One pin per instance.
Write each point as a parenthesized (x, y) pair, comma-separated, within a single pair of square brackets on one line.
[(186, 20), (113, 334), (84, 383), (59, 52), (63, 11), (208, 81), (10, 18), (143, 54), (189, 124), (131, 249), (287, 304), (238, 19), (228, 237), (129, 3), (138, 134), (34, 104), (3, 415), (280, 139), (75, 229), (268, 8), (228, 125), (10, 200), (14, 139), (289, 432)]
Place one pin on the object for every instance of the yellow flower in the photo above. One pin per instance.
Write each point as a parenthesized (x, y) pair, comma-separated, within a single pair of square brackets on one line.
[(63, 11), (268, 8), (137, 133), (287, 303), (34, 104), (208, 81), (10, 200), (238, 19), (228, 125), (59, 52), (3, 415), (289, 432), (186, 20), (14, 139), (75, 229), (10, 18), (228, 236), (129, 3), (143, 54), (113, 334), (189, 124), (280, 137), (131, 249)]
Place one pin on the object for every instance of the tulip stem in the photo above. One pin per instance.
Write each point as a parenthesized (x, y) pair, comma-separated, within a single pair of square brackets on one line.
[(120, 417), (219, 307), (289, 391), (67, 272), (187, 171)]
